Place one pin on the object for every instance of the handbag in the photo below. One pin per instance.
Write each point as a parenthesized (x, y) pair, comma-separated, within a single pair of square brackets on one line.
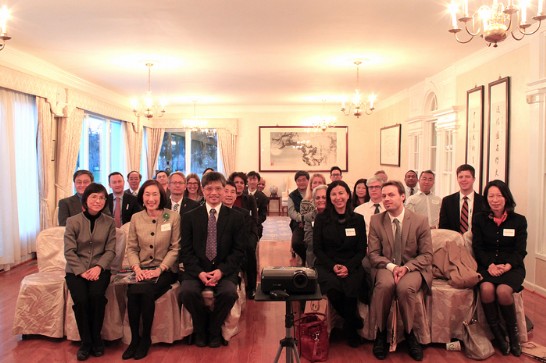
[(476, 344), (312, 337)]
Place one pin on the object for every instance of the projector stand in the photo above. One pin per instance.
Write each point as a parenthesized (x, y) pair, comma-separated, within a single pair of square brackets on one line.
[(288, 342)]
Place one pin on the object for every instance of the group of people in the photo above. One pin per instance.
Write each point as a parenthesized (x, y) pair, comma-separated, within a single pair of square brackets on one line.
[(386, 226), (212, 230)]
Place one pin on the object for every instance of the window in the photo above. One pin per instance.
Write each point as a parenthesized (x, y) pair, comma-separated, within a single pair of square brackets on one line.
[(189, 151), (102, 148)]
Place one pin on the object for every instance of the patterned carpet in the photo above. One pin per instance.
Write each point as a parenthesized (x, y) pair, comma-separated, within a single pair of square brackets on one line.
[(276, 229)]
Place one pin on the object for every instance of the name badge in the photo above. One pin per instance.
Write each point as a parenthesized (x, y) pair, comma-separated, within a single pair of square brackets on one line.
[(350, 232), (508, 232), (165, 227)]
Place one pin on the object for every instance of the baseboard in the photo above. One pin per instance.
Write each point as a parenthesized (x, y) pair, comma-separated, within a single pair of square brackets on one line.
[(535, 289)]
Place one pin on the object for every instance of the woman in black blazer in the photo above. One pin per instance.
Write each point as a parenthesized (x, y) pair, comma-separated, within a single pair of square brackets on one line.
[(499, 242), (89, 248), (339, 242)]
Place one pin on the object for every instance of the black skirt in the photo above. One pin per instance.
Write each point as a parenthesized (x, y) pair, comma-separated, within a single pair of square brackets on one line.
[(350, 286), (513, 278)]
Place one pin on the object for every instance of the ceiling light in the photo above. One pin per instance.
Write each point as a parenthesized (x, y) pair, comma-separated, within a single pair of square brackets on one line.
[(4, 16), (356, 106), (493, 22), (149, 107)]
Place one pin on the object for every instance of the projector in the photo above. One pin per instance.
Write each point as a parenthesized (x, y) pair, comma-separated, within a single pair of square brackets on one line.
[(293, 280)]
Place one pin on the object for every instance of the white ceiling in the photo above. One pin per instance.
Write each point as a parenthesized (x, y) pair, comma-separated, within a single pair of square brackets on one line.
[(241, 52)]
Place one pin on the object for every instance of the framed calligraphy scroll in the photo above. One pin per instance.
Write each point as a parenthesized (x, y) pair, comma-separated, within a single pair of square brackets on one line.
[(474, 130), (499, 130)]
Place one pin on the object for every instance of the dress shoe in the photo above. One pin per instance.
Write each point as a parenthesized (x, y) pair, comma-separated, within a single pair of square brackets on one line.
[(130, 351), (414, 348), (83, 353), (251, 294), (97, 350), (142, 349), (200, 340), (380, 347), (215, 341)]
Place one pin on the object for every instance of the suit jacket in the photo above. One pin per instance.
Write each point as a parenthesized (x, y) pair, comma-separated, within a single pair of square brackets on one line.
[(128, 191), (230, 242), (186, 205), (450, 211), (129, 206), (71, 206), (416, 243)]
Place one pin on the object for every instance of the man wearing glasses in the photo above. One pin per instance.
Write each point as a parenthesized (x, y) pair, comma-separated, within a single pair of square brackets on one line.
[(375, 204), (177, 202)]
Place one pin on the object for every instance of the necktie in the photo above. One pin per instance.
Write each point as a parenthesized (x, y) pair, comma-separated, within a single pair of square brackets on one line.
[(175, 207), (397, 254), (464, 216), (210, 250), (412, 191), (376, 209), (117, 212), (135, 193)]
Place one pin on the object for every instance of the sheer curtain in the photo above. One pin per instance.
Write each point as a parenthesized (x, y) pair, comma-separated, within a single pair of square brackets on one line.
[(155, 139), (20, 212), (44, 144), (227, 144)]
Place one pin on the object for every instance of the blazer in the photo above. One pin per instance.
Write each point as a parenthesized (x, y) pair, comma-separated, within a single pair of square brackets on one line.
[(231, 239), (154, 241), (84, 249), (186, 204), (416, 243), (71, 206), (262, 204), (450, 211), (129, 206)]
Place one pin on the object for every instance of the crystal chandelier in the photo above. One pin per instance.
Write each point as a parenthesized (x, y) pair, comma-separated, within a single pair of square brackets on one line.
[(493, 22), (356, 106), (148, 107), (4, 16)]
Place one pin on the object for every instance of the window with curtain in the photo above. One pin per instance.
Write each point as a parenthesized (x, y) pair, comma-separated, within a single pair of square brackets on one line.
[(102, 148), (189, 151), (20, 212)]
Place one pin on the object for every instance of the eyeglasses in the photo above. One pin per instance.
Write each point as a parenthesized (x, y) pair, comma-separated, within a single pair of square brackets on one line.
[(374, 187), (193, 183), (177, 183), (79, 182), (95, 198)]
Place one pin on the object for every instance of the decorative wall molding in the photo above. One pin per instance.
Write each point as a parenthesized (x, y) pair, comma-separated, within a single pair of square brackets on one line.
[(229, 124)]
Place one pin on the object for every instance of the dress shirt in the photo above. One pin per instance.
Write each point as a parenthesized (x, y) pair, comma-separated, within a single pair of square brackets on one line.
[(400, 217), (427, 205), (470, 206), (368, 210), (408, 191), (209, 207)]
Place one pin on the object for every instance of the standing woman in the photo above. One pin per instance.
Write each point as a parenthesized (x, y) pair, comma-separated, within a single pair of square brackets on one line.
[(499, 242), (360, 193), (339, 240), (152, 251), (193, 188), (89, 248), (309, 210)]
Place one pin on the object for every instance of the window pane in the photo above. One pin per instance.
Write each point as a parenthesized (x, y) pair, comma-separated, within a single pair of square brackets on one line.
[(173, 152), (94, 133), (117, 148), (204, 151)]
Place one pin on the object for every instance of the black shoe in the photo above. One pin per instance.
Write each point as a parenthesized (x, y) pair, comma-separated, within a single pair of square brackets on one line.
[(215, 341), (380, 347), (200, 340), (98, 349), (83, 353), (414, 348), (251, 294), (353, 339), (142, 349), (130, 351)]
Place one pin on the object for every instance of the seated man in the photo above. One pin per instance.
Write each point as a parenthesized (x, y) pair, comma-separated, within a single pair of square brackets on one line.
[(375, 204), (176, 201), (213, 239), (133, 178), (296, 220), (121, 205), (424, 202), (400, 250)]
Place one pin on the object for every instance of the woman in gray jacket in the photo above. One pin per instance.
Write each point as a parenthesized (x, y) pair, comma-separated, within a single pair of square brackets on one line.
[(89, 248)]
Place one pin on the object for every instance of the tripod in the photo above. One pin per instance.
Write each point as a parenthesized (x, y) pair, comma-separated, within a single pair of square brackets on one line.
[(288, 342)]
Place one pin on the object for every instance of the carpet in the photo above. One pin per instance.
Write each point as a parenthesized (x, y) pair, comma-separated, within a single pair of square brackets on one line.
[(276, 228)]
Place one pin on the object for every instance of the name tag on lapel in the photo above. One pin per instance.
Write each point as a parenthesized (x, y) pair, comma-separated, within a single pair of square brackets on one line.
[(350, 232), (165, 227), (508, 232)]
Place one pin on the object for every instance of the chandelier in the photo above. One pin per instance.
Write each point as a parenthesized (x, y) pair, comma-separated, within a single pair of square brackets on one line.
[(493, 22), (356, 106), (4, 15), (323, 122), (148, 107)]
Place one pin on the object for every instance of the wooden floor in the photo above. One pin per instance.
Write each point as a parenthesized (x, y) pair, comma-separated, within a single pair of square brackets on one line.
[(262, 326)]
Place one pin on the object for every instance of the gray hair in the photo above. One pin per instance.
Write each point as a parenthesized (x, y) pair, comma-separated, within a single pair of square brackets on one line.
[(317, 188), (374, 179)]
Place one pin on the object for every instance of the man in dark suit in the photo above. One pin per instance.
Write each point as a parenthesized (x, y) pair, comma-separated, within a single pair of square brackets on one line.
[(176, 201), (262, 201), (133, 178), (454, 214), (71, 206), (213, 240), (400, 250), (127, 202)]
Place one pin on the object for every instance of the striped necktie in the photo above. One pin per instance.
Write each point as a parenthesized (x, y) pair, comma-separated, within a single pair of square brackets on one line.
[(464, 216)]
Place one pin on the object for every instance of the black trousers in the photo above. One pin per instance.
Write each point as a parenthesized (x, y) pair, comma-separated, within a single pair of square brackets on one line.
[(298, 244), (250, 266), (225, 296), (89, 305)]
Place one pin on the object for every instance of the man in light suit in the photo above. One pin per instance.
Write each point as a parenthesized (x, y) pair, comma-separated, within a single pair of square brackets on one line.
[(452, 205), (129, 203), (400, 251), (219, 271)]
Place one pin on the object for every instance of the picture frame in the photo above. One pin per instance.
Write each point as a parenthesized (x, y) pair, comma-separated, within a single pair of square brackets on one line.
[(474, 130), (499, 130), (293, 148), (389, 146)]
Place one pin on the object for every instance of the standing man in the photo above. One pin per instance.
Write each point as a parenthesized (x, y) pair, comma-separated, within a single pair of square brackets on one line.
[(400, 250), (176, 201), (133, 178), (381, 174), (410, 179), (262, 201), (163, 178), (424, 202), (296, 220), (122, 205), (213, 238), (375, 204), (335, 173), (458, 208), (71, 206)]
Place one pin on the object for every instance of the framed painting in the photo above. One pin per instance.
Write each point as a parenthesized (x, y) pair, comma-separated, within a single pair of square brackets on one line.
[(293, 148), (499, 130), (474, 130), (390, 138)]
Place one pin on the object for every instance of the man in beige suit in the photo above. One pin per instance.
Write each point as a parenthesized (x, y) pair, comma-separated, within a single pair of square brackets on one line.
[(400, 250)]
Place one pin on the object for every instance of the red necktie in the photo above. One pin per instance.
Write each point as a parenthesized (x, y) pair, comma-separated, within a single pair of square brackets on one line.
[(464, 216)]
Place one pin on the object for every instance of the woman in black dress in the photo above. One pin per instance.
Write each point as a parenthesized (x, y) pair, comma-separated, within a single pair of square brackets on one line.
[(339, 242), (499, 242)]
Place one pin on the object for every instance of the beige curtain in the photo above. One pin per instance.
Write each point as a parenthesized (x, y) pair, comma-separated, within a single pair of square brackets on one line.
[(133, 133), (227, 143), (44, 147), (68, 146), (155, 139)]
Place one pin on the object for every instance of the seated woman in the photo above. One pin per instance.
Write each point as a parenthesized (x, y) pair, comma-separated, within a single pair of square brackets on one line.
[(88, 269), (360, 193), (193, 188), (339, 241), (152, 250), (499, 241), (309, 210)]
